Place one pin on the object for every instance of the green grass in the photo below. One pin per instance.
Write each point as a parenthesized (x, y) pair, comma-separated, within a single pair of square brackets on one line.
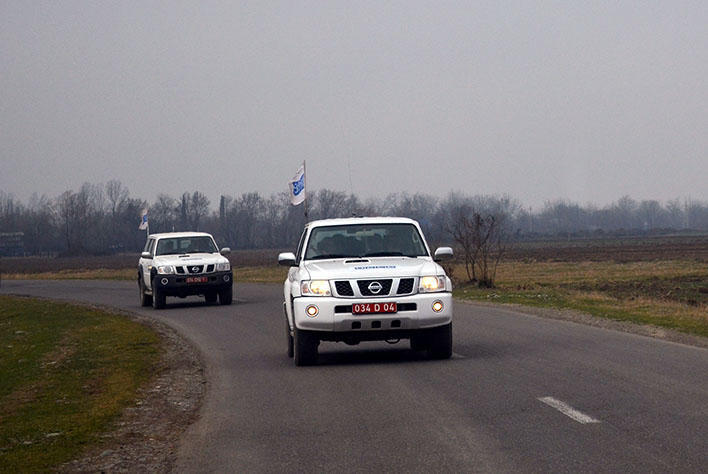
[(66, 372), (670, 294)]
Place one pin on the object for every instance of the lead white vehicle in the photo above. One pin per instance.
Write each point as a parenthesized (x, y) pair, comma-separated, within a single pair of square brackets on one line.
[(366, 279), (182, 264)]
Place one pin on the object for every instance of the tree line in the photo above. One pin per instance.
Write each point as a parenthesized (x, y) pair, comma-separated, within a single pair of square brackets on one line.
[(103, 218)]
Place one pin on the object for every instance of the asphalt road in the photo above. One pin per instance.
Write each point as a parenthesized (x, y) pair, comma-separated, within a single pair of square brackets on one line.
[(641, 405)]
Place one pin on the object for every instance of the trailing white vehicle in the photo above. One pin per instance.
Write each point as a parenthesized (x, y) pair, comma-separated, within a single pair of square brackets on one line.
[(182, 264), (366, 279)]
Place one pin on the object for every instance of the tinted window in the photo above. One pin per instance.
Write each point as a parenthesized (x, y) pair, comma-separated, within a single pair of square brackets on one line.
[(182, 245), (365, 240)]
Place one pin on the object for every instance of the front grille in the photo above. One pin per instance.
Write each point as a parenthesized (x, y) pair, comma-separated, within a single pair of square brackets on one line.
[(365, 291), (344, 288), (405, 286), (194, 268), (179, 269), (210, 268)]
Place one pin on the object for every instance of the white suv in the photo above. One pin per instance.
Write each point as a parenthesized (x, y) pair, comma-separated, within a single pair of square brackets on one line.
[(181, 264), (366, 279)]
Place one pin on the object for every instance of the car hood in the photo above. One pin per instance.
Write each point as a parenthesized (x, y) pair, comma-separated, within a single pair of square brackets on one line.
[(189, 259), (387, 267)]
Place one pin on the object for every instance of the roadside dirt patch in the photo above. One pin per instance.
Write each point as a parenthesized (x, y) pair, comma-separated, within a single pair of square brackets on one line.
[(146, 436)]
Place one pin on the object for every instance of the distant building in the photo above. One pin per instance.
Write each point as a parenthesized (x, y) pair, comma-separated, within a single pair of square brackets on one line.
[(12, 244)]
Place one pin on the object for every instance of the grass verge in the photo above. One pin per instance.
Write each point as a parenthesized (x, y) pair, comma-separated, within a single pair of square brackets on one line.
[(670, 294), (256, 274), (67, 372)]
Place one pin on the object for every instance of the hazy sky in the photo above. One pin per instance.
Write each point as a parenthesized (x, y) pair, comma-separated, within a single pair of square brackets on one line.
[(585, 100)]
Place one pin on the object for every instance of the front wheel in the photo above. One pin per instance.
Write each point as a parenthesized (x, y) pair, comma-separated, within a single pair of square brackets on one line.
[(145, 300), (305, 347), (159, 298), (289, 338), (440, 342), (226, 296)]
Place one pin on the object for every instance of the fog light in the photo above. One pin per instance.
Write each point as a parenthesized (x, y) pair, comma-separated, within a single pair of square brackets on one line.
[(437, 306), (227, 278), (312, 311), (164, 281)]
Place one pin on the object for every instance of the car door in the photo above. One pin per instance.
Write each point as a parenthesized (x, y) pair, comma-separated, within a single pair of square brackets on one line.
[(146, 266)]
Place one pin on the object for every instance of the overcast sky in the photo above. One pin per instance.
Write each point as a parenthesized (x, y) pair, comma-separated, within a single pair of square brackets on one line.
[(585, 100)]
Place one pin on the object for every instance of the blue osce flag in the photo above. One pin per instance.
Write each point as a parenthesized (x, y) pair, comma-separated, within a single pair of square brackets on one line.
[(297, 187), (143, 220)]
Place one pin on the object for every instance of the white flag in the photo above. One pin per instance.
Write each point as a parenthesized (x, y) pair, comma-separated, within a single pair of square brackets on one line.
[(143, 220), (296, 186)]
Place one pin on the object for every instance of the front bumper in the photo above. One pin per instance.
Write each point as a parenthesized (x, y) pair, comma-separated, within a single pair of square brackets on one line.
[(180, 285), (335, 314)]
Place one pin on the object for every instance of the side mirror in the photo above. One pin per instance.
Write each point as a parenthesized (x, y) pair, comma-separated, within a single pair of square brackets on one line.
[(286, 259), (225, 251), (146, 255), (443, 253)]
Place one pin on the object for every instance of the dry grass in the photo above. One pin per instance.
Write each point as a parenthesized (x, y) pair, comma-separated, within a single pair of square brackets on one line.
[(77, 274), (670, 293)]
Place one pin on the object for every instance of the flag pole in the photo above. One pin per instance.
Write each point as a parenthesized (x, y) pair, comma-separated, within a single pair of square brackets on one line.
[(304, 177)]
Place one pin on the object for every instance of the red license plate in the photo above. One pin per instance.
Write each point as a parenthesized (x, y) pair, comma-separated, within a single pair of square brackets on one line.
[(374, 308), (196, 279)]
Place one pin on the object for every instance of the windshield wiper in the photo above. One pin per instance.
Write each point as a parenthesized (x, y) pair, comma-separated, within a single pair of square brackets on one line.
[(331, 255), (383, 254)]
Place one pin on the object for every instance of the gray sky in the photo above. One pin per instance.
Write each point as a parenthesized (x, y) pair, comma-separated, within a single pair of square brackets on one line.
[(585, 100)]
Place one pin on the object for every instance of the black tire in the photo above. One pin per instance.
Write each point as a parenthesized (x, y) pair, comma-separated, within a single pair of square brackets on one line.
[(210, 298), (159, 298), (145, 300), (226, 296), (418, 342), (289, 337), (440, 342), (305, 348)]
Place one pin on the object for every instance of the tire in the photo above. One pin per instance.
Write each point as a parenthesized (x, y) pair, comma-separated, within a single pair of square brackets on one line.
[(305, 348), (145, 300), (418, 342), (289, 338), (440, 342), (158, 297), (210, 298), (226, 296)]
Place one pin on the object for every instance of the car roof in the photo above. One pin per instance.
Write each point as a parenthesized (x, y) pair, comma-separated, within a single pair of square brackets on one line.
[(179, 234), (361, 220)]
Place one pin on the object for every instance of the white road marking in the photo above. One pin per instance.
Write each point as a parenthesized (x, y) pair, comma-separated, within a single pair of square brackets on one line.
[(568, 411), (455, 355)]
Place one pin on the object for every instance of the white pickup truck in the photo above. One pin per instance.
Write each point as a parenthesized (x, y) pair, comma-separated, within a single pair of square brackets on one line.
[(366, 279), (182, 264)]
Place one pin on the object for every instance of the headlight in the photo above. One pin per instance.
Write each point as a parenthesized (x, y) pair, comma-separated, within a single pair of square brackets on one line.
[(165, 270), (430, 284), (315, 288), (223, 267)]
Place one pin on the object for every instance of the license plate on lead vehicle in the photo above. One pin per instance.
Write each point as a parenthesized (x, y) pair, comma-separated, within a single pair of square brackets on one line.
[(196, 279), (374, 308)]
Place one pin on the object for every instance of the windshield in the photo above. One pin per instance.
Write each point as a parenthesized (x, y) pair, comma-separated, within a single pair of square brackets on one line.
[(365, 240), (182, 245)]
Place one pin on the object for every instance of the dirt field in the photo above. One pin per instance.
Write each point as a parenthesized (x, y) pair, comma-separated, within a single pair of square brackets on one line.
[(638, 249)]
